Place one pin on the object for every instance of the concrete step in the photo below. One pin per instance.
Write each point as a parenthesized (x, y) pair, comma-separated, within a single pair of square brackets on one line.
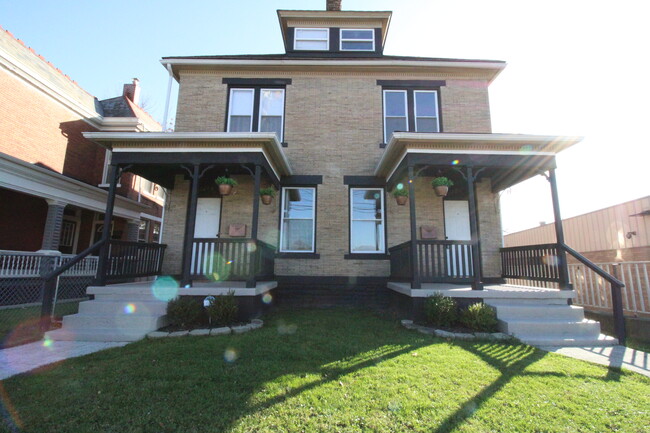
[(527, 301), (550, 328), (508, 312), (93, 334), (106, 307), (144, 323), (601, 341)]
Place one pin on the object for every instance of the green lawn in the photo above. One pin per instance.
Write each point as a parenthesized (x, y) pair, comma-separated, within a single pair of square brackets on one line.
[(326, 371), (20, 325)]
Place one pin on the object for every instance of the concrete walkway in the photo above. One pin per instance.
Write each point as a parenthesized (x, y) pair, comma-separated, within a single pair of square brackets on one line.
[(27, 357), (613, 356)]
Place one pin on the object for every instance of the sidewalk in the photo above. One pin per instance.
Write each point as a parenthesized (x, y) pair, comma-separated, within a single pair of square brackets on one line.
[(27, 357), (613, 356)]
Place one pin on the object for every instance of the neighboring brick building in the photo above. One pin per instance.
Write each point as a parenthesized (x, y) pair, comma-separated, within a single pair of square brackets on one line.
[(336, 126), (52, 179)]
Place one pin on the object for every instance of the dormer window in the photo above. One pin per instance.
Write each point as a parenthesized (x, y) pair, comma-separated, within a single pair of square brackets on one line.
[(311, 39), (357, 40)]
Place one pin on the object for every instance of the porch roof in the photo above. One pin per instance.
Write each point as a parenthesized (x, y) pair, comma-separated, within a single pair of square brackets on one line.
[(193, 143), (510, 157)]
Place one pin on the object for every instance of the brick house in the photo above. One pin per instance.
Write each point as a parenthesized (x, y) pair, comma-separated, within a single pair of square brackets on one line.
[(52, 179), (336, 127)]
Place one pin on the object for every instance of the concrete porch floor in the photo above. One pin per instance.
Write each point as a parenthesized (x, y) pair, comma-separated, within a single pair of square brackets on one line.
[(497, 291), (202, 288)]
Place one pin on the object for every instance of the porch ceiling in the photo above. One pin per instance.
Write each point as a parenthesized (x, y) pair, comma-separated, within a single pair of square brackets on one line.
[(508, 158), (194, 147)]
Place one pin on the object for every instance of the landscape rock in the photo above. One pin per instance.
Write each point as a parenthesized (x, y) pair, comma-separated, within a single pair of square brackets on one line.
[(443, 334), (463, 336), (157, 334), (220, 331), (200, 332), (178, 333), (241, 329)]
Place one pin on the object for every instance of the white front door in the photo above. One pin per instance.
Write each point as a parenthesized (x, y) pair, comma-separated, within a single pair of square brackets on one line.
[(208, 211), (457, 229)]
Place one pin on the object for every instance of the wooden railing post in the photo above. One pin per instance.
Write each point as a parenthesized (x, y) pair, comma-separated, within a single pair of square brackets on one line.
[(617, 308)]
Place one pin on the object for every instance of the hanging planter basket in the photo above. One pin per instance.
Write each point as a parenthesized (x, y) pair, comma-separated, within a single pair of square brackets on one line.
[(441, 185), (401, 196), (267, 194), (226, 185), (401, 200)]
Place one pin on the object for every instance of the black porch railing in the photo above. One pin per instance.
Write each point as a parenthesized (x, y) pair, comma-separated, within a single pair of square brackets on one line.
[(128, 260), (542, 263), (531, 262), (231, 259), (438, 261)]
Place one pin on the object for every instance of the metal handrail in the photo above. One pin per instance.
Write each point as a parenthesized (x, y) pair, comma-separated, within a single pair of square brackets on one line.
[(591, 265), (79, 257)]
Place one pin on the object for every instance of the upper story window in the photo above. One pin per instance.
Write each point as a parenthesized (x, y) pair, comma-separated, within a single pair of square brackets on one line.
[(357, 40), (151, 189), (256, 110), (311, 39), (410, 110)]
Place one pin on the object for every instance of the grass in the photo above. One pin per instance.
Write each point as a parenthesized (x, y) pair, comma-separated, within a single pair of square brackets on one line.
[(321, 371), (20, 325)]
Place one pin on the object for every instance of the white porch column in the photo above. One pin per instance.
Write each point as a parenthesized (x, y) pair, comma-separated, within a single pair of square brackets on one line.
[(132, 230)]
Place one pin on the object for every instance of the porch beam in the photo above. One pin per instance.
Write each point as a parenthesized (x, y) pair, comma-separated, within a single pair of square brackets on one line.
[(415, 274), (473, 226), (114, 176), (190, 223), (559, 233)]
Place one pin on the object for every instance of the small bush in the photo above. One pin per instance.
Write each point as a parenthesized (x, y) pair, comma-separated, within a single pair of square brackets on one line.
[(268, 191), (479, 317), (442, 181), (222, 180), (185, 312), (223, 309), (400, 192), (440, 310)]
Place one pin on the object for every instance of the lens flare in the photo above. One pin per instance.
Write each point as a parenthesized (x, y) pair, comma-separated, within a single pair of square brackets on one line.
[(400, 186), (230, 355), (229, 262), (251, 247), (129, 308), (267, 298), (165, 288), (455, 162), (47, 342)]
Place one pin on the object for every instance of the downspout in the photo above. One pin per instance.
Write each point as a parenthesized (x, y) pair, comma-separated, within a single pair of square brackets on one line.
[(169, 92)]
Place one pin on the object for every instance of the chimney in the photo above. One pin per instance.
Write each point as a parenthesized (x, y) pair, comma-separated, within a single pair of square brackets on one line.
[(334, 5), (132, 91)]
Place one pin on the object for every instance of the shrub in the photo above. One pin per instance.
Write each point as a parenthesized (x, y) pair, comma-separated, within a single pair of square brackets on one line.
[(184, 312), (440, 310), (479, 317), (222, 180), (268, 191), (400, 192), (223, 309), (442, 181)]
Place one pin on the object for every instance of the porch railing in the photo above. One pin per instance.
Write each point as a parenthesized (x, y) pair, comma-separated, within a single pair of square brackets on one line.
[(541, 263), (437, 260), (26, 264), (225, 259), (128, 260)]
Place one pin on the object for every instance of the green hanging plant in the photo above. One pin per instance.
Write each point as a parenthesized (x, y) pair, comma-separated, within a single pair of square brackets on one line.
[(441, 181), (267, 191), (223, 180)]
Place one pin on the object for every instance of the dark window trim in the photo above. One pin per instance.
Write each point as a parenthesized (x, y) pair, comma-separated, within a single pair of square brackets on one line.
[(366, 256), (410, 86), (252, 82), (302, 180), (281, 204), (257, 85), (303, 256), (364, 181)]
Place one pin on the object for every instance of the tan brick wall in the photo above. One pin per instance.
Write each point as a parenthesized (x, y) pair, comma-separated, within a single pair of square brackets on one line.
[(333, 125)]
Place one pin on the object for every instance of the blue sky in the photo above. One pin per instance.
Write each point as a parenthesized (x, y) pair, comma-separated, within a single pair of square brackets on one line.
[(574, 67)]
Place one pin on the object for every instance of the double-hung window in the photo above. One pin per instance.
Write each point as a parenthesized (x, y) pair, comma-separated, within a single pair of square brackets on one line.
[(256, 110), (357, 40), (297, 225), (311, 39), (367, 226), (410, 110)]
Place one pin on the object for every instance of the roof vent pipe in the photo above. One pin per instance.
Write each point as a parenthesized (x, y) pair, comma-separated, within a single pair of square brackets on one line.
[(333, 5)]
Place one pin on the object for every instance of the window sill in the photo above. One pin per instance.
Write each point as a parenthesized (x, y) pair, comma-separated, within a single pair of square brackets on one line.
[(108, 185), (366, 256), (313, 256)]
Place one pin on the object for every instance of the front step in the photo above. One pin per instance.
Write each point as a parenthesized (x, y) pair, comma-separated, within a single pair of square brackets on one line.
[(507, 311), (550, 328), (601, 341)]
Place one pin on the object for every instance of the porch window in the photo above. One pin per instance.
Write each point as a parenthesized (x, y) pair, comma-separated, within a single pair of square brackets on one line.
[(357, 40), (367, 220), (256, 110), (297, 220), (410, 110), (143, 231), (311, 39)]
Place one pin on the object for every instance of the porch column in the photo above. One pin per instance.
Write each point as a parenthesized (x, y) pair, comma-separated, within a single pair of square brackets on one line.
[(190, 223), (53, 223), (559, 233), (415, 274), (114, 173), (256, 216), (473, 226), (132, 230)]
